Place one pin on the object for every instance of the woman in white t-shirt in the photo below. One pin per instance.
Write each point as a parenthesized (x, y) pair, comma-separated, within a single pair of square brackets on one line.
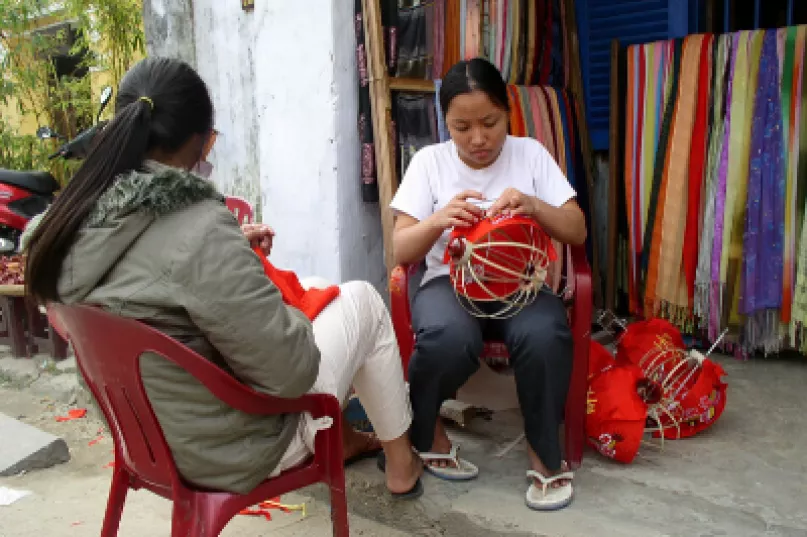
[(482, 162)]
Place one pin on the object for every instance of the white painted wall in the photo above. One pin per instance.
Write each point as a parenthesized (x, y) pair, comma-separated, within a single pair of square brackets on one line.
[(283, 79)]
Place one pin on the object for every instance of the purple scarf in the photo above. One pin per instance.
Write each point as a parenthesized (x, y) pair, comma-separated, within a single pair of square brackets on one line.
[(763, 241), (716, 308)]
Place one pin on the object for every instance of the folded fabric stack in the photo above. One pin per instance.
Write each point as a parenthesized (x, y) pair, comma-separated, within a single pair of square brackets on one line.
[(716, 181)]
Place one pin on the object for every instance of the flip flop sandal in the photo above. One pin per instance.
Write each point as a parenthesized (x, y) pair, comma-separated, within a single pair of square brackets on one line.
[(546, 497), (412, 494), (461, 470)]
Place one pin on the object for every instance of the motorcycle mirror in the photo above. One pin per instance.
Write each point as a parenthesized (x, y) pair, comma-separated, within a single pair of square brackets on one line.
[(45, 133), (106, 96)]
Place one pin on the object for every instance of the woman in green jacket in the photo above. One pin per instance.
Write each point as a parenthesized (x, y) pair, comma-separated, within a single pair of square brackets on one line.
[(138, 234)]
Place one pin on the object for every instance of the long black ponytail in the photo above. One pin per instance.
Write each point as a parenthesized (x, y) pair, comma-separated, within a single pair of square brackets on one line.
[(161, 104)]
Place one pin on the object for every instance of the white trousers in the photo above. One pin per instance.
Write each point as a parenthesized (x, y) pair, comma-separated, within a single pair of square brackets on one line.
[(358, 347)]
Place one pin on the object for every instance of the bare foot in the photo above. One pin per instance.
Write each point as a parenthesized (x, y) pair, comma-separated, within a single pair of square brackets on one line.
[(538, 466), (440, 444), (403, 471), (355, 443)]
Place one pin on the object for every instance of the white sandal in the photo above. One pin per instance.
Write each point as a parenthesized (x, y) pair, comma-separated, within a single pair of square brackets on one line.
[(546, 497), (461, 470)]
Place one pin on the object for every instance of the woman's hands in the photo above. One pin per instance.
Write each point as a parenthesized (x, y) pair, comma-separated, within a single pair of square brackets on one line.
[(565, 223), (259, 235), (514, 203), (459, 212)]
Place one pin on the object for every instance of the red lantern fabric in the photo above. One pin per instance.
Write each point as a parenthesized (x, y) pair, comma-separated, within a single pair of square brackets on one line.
[(616, 414), (701, 405), (599, 359), (498, 264), (643, 336)]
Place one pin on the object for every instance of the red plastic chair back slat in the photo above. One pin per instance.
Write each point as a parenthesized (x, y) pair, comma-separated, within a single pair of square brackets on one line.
[(240, 208)]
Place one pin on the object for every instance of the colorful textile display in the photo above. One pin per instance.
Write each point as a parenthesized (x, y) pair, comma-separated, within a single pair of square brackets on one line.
[(525, 39), (715, 150)]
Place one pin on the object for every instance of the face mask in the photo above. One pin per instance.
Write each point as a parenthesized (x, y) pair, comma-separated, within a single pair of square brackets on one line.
[(203, 169)]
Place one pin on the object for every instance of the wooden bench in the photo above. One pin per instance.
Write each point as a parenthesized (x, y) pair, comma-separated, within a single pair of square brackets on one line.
[(24, 326)]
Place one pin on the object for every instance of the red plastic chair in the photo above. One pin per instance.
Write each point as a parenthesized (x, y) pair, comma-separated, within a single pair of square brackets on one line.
[(240, 208), (108, 350), (578, 298)]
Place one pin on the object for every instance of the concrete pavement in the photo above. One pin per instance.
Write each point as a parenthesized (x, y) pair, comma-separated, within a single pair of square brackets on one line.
[(745, 477)]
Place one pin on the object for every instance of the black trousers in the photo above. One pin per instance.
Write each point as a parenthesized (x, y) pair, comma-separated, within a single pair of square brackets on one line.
[(449, 342)]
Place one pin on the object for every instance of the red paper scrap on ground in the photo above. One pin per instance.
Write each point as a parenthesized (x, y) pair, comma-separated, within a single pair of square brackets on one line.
[(95, 441), (263, 509), (73, 414)]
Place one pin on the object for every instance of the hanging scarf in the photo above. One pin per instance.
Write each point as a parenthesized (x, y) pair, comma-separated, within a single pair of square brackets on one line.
[(518, 126), (703, 275), (798, 329), (631, 181), (673, 221), (552, 122), (507, 58), (501, 30), (452, 35), (801, 183), (557, 129), (492, 31), (529, 67), (442, 128), (738, 180), (473, 25), (717, 286), (800, 300), (526, 110), (515, 47), (791, 82), (761, 290), (464, 28), (438, 39), (537, 120), (697, 167), (651, 248)]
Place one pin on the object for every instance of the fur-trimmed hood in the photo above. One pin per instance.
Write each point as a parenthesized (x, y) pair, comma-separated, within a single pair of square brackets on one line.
[(118, 219)]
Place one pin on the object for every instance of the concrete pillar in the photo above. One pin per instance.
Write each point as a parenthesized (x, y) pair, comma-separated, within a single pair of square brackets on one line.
[(169, 29), (283, 79)]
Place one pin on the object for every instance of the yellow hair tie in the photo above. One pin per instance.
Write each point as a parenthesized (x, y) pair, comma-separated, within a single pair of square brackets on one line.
[(147, 100)]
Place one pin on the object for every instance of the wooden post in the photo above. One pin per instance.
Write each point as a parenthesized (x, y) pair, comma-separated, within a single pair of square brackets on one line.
[(381, 100), (576, 86), (615, 171)]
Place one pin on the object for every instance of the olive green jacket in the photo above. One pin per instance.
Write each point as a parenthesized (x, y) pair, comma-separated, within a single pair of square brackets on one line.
[(161, 247)]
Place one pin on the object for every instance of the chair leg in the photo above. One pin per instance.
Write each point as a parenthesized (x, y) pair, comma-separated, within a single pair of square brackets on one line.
[(339, 506), (182, 519), (336, 480), (115, 502), (195, 517)]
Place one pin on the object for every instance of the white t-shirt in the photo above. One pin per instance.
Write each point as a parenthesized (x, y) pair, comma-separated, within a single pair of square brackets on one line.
[(437, 174)]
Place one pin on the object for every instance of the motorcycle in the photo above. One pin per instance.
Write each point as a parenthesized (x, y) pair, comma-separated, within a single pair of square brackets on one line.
[(25, 194)]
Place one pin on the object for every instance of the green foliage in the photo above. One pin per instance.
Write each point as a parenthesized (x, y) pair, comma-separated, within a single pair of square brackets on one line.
[(46, 68)]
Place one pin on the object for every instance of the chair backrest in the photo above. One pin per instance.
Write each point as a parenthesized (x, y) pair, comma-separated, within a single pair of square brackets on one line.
[(108, 350), (240, 208)]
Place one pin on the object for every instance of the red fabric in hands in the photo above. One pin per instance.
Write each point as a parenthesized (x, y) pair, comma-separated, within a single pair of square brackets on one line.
[(309, 301)]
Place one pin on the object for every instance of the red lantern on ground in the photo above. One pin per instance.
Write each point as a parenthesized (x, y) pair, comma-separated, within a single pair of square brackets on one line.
[(616, 413)]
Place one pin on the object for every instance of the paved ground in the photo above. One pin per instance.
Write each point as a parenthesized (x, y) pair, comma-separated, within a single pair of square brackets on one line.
[(746, 477)]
